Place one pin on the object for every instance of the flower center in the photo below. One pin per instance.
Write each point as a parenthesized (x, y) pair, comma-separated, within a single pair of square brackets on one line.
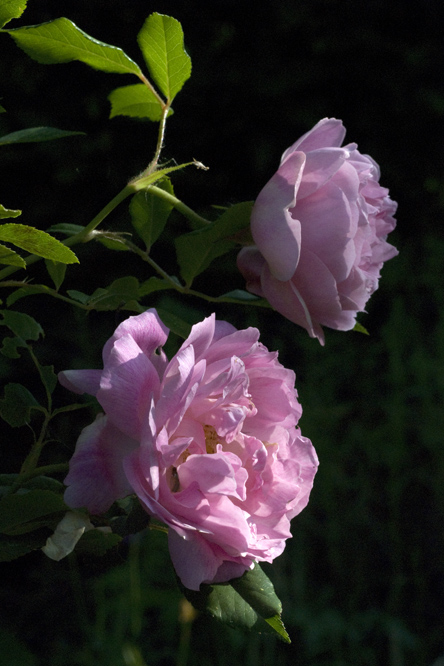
[(211, 439)]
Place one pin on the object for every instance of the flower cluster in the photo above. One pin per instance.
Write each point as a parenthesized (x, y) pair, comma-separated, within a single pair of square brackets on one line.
[(208, 442), (320, 226)]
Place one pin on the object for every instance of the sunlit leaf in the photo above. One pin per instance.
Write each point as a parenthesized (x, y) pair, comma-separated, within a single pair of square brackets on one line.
[(11, 9), (149, 213), (359, 328), (136, 101), (8, 212), (248, 603), (36, 134), (62, 41), (11, 258), (37, 242), (161, 42)]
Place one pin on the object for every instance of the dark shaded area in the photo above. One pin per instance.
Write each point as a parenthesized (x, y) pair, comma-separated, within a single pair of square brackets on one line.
[(362, 581)]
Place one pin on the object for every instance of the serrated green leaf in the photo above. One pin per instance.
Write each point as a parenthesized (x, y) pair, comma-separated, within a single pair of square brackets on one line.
[(15, 407), (62, 41), (257, 589), (136, 101), (37, 242), (161, 42), (197, 249), (2, 109), (36, 134), (19, 509), (149, 213), (246, 606), (21, 324), (10, 258), (11, 9), (7, 212), (57, 272), (97, 543)]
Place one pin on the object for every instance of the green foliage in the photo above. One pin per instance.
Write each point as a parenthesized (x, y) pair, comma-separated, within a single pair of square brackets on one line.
[(36, 134), (248, 603), (11, 258), (136, 101), (16, 406), (149, 214), (57, 272), (161, 42), (37, 242), (11, 9), (196, 250), (7, 212), (22, 325), (28, 511), (62, 41), (97, 543)]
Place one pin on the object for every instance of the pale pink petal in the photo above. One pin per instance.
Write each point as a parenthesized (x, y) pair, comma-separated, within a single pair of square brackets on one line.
[(275, 232), (327, 133), (81, 381), (96, 477), (129, 381), (320, 166)]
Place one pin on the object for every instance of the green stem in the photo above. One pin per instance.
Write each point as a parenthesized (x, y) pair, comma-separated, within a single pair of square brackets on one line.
[(198, 221), (45, 470), (262, 303), (33, 456), (83, 236)]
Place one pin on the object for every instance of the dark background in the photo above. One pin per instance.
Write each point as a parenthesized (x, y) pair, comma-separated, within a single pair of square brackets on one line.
[(362, 580)]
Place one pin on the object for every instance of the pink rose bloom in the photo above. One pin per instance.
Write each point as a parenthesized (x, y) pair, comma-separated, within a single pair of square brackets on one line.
[(320, 226), (208, 442)]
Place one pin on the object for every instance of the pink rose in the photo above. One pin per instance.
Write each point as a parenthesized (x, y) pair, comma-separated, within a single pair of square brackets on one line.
[(320, 226), (208, 442)]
